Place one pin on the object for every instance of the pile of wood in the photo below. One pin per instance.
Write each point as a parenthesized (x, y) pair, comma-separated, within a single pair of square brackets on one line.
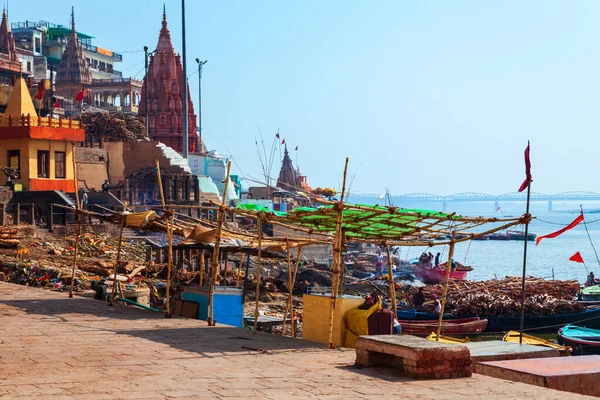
[(114, 127), (9, 238), (509, 287), (488, 305)]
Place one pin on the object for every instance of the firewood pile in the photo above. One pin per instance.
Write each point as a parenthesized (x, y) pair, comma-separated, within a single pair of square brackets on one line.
[(488, 305), (114, 127), (502, 298), (509, 287)]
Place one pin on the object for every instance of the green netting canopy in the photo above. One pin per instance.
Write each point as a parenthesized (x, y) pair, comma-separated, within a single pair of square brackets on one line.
[(379, 223)]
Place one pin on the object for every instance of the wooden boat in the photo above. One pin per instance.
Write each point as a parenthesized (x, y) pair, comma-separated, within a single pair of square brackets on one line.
[(447, 339), (589, 318), (520, 235), (590, 293), (513, 337), (456, 327), (583, 341), (436, 275)]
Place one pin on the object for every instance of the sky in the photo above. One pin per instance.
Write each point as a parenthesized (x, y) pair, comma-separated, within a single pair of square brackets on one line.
[(435, 97)]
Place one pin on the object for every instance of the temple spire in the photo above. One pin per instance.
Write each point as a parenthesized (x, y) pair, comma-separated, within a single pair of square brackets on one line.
[(72, 19), (164, 21)]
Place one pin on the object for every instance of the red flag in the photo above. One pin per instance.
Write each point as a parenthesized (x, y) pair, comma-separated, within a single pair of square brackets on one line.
[(40, 93), (283, 141), (296, 148), (498, 209), (80, 95), (57, 104), (527, 170), (561, 231), (576, 257)]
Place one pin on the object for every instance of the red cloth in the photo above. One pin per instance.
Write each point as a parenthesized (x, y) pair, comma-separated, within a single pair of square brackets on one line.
[(527, 170), (80, 95), (57, 104), (40, 93), (381, 322), (561, 231), (283, 141), (576, 257)]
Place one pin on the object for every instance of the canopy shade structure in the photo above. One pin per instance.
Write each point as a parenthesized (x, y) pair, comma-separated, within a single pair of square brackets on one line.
[(393, 225)]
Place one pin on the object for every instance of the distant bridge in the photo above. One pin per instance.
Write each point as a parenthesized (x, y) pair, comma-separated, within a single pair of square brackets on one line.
[(483, 197)]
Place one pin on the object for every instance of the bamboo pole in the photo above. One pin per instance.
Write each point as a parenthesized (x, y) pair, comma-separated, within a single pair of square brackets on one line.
[(239, 273), (391, 280), (337, 252), (215, 256), (114, 288), (259, 223), (202, 268), (78, 234), (169, 239), (445, 291), (289, 269), (292, 321)]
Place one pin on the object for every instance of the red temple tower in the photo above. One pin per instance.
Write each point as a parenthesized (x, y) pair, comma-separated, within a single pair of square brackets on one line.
[(162, 94), (73, 74)]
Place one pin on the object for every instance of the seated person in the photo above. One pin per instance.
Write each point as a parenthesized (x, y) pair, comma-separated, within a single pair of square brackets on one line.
[(419, 298), (591, 280)]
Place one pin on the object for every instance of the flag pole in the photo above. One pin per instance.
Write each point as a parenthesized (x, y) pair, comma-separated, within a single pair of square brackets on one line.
[(528, 218)]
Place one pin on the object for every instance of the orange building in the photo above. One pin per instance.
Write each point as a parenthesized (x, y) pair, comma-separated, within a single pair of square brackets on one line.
[(40, 148)]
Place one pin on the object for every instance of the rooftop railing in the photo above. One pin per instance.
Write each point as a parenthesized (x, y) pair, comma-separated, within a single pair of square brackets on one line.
[(29, 120)]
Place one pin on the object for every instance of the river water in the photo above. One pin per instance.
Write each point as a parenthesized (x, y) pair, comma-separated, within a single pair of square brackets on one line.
[(491, 258)]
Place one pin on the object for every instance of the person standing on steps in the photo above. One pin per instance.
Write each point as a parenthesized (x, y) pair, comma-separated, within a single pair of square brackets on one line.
[(105, 186)]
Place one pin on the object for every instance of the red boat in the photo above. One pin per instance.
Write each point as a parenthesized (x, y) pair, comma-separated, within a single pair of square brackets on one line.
[(455, 327), (437, 275)]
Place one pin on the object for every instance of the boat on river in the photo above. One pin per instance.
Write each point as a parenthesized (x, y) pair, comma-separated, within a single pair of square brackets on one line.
[(437, 275), (514, 337), (454, 327), (589, 318), (582, 340), (590, 293)]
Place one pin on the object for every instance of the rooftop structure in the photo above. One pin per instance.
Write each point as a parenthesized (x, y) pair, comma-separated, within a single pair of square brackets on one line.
[(9, 62), (38, 148), (162, 96), (288, 177)]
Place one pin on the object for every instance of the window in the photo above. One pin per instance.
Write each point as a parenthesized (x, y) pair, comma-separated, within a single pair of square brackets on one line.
[(14, 159), (43, 159), (163, 121), (59, 164), (38, 44), (28, 66)]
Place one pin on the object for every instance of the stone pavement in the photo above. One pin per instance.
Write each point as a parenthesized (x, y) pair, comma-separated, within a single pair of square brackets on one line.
[(53, 347)]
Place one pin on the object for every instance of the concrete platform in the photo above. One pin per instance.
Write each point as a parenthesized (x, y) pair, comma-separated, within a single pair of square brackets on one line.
[(414, 356), (497, 350), (571, 374)]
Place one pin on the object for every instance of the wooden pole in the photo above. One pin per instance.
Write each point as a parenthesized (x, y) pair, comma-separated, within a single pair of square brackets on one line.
[(239, 273), (169, 226), (391, 280), (114, 288), (289, 269), (259, 223), (78, 234), (292, 322), (337, 253), (445, 291), (215, 256), (522, 319), (202, 268)]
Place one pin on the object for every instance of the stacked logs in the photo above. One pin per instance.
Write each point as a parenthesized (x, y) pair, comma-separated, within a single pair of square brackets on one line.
[(502, 298), (9, 238), (114, 127)]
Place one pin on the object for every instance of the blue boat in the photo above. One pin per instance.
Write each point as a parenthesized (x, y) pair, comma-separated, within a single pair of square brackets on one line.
[(589, 318), (583, 341)]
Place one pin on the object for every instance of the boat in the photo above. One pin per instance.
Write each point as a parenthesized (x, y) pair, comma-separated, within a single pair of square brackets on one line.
[(590, 293), (437, 275), (520, 235), (447, 339), (456, 327), (582, 340), (589, 318), (514, 337)]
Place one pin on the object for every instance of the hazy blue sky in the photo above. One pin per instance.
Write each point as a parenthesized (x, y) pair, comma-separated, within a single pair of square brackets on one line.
[(436, 96)]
